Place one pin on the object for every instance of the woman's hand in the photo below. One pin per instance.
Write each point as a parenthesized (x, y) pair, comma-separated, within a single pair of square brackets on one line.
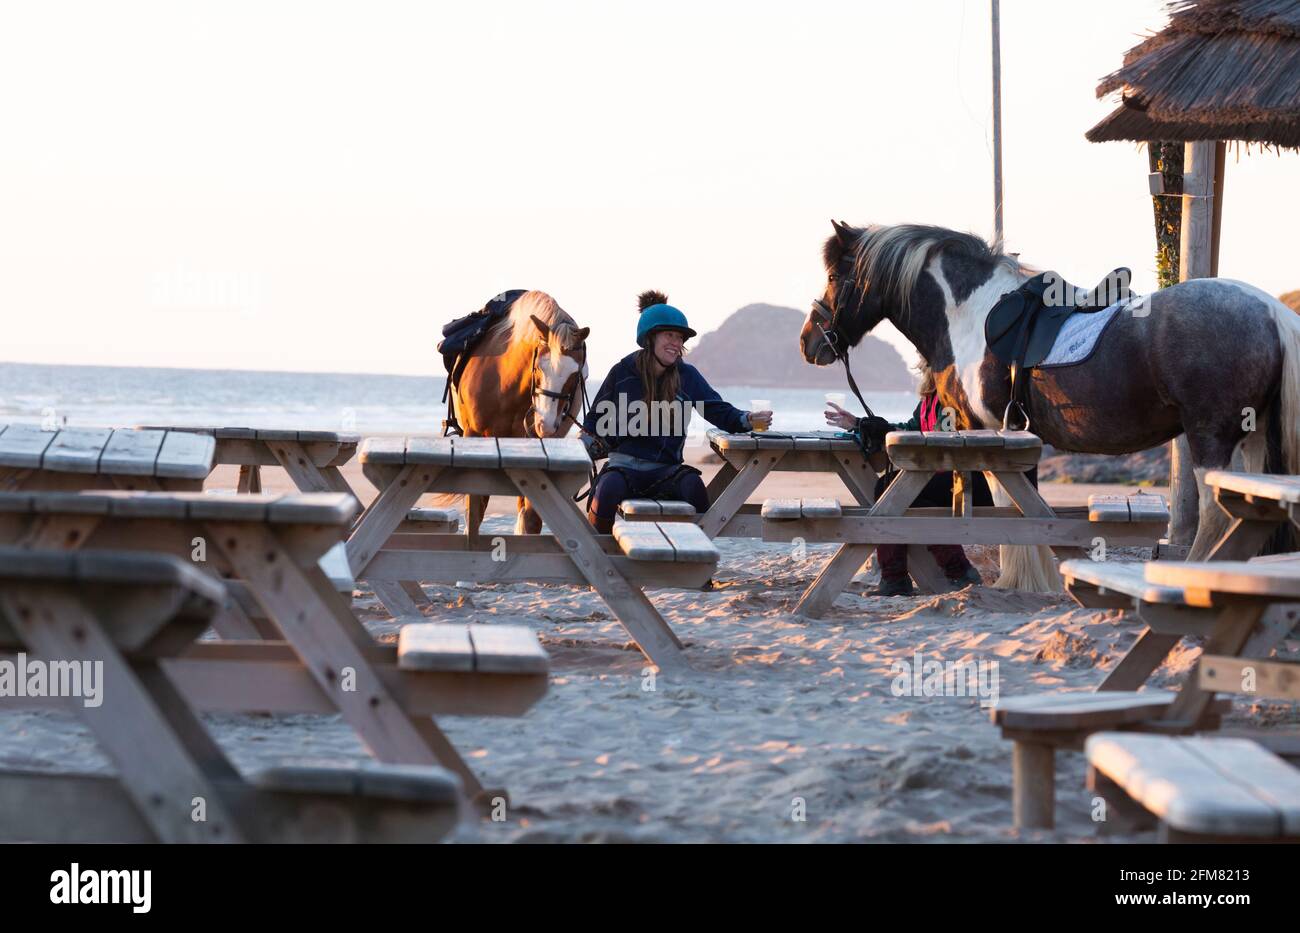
[(839, 418)]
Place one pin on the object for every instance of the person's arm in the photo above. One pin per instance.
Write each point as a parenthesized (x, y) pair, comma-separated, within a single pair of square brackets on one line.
[(873, 428), (716, 410)]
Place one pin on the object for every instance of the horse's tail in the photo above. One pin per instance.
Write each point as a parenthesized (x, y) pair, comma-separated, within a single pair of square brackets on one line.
[(1288, 333)]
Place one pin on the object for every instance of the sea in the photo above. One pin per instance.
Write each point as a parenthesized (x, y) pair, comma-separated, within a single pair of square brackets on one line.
[(118, 396)]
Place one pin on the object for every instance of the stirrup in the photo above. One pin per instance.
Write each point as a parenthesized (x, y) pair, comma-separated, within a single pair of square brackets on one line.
[(451, 429), (1006, 416)]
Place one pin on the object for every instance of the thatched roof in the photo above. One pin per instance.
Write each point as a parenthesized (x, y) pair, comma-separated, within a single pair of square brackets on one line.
[(1221, 69)]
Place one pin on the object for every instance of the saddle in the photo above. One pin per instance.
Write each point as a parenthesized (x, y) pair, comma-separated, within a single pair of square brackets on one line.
[(1022, 327), (460, 337)]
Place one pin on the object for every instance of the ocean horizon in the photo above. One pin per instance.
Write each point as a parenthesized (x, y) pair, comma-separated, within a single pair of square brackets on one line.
[(124, 396)]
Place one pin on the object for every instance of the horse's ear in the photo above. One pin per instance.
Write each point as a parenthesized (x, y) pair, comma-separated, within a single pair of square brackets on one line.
[(582, 333), (541, 326), (848, 236)]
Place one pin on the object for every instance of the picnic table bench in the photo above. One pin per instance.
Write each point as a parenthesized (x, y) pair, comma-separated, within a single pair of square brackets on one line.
[(547, 472), (1224, 602), (1199, 788), (102, 458), (1003, 456), (316, 657), (1258, 504), (131, 613)]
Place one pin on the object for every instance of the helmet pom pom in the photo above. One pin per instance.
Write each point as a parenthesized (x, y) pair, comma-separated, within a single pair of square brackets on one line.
[(646, 299)]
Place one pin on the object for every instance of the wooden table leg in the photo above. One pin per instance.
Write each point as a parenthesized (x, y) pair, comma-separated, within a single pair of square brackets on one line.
[(330, 641), (837, 573), (163, 755), (721, 479), (1232, 629), (1145, 655), (832, 580), (250, 478), (737, 492), (1033, 785), (294, 459), (634, 610), (378, 522)]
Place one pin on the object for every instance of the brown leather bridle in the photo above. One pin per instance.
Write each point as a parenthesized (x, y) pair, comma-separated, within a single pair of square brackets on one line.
[(575, 384)]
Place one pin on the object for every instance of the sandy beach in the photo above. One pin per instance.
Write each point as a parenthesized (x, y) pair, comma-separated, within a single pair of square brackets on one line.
[(787, 730)]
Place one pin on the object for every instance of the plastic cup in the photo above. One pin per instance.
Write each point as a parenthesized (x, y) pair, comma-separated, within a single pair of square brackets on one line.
[(837, 398), (756, 405)]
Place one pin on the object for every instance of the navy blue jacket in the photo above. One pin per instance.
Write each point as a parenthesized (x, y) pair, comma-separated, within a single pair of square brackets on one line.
[(622, 392)]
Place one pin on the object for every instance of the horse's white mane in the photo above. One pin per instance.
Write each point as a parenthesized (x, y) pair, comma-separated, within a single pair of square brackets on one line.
[(518, 327), (890, 260)]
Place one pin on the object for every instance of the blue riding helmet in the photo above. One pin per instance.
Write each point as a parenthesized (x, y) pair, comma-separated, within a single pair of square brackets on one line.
[(660, 317)]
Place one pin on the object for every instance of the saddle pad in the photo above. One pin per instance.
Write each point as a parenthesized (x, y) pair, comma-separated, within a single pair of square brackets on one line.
[(1079, 334)]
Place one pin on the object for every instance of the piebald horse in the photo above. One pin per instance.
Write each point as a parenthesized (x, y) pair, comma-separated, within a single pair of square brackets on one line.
[(526, 378), (1215, 359)]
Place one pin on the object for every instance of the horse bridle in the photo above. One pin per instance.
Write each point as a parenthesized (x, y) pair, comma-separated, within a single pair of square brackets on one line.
[(566, 398), (832, 335)]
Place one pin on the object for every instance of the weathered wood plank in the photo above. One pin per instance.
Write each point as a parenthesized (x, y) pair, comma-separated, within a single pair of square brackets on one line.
[(507, 649), (185, 456), (1265, 580), (23, 445), (76, 450), (690, 544), (435, 646), (131, 453)]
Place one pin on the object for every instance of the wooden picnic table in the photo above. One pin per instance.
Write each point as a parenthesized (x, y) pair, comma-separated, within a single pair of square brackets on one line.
[(102, 458), (311, 458), (1258, 504), (547, 472), (130, 615), (747, 459), (1003, 457), (319, 657)]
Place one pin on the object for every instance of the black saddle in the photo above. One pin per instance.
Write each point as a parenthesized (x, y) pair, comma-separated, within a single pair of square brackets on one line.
[(1023, 325), (458, 341)]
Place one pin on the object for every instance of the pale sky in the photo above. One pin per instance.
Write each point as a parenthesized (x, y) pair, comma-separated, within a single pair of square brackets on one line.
[(320, 186)]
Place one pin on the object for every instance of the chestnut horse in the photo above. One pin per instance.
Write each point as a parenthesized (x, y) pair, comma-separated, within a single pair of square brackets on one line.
[(526, 378)]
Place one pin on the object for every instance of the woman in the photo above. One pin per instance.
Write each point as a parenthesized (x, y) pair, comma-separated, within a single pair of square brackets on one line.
[(640, 416), (894, 580)]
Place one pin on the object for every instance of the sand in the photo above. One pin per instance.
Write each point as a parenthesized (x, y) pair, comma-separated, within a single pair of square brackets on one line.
[(787, 730)]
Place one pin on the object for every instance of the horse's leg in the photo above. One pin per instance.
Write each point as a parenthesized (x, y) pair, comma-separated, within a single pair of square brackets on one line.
[(1215, 451), (475, 507), (527, 521)]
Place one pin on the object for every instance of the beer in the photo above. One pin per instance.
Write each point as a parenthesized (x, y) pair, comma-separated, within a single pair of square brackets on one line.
[(757, 422)]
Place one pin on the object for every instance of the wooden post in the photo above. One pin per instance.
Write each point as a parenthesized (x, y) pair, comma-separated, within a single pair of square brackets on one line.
[(997, 124), (1196, 254)]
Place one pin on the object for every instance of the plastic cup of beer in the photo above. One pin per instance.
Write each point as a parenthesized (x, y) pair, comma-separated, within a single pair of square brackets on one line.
[(837, 398), (756, 405)]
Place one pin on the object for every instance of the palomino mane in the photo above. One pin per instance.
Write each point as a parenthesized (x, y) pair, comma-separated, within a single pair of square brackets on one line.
[(518, 328), (890, 260)]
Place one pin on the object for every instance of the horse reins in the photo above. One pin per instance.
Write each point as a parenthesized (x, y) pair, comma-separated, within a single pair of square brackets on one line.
[(834, 339)]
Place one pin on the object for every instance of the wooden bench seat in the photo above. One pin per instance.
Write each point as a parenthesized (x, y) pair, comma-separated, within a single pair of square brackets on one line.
[(792, 509), (1202, 789), (1103, 584), (1038, 724), (674, 542), (488, 649), (1138, 508), (430, 521), (656, 510)]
